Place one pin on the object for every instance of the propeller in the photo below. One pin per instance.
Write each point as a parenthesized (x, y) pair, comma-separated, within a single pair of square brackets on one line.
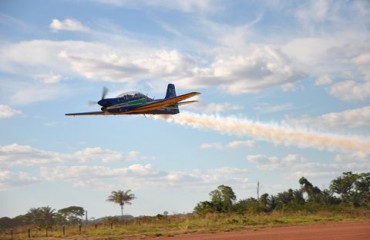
[(91, 103), (103, 95), (104, 92)]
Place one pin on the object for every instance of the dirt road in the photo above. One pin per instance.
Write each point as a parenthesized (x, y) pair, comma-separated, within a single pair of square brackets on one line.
[(328, 231)]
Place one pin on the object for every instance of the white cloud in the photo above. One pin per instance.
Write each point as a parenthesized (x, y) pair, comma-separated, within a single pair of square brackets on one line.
[(273, 163), (32, 93), (230, 145), (252, 71), (49, 78), (232, 62), (269, 108), (323, 79), (24, 155), (241, 144), (22, 165), (211, 146), (299, 166), (98, 154), (143, 176), (351, 90), (312, 52), (67, 25), (201, 106), (185, 6), (353, 118), (7, 112), (313, 11), (11, 179), (262, 68)]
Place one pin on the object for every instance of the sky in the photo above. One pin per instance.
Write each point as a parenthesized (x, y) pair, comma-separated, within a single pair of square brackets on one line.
[(285, 94)]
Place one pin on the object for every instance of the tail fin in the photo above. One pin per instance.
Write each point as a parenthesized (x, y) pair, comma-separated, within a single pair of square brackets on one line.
[(171, 91)]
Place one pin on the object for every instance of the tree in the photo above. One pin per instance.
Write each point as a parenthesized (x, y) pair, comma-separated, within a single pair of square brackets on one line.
[(291, 200), (352, 188), (202, 208), (223, 198), (43, 217), (71, 215), (249, 205), (268, 202), (121, 197), (313, 192)]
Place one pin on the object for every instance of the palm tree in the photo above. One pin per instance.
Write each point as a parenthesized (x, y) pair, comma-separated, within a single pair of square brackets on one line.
[(121, 197)]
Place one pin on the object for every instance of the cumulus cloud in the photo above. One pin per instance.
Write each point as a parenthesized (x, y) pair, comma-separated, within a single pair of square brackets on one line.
[(354, 84), (313, 11), (299, 166), (67, 25), (323, 79), (262, 68), (92, 167), (352, 118), (11, 179), (25, 155), (7, 112), (49, 78), (273, 163), (351, 90), (141, 176), (254, 70)]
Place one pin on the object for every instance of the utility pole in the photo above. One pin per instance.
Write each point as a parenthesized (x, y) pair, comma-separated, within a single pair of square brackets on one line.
[(86, 217), (258, 190)]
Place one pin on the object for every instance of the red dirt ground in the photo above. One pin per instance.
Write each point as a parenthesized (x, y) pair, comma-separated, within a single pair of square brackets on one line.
[(327, 231)]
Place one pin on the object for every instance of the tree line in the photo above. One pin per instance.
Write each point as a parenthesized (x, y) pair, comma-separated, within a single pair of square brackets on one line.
[(47, 217), (351, 190)]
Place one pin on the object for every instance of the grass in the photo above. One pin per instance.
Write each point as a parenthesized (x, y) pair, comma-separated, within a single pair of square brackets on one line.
[(187, 224)]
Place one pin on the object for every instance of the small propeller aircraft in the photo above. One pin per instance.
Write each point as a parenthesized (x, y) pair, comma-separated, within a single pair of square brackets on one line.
[(138, 103)]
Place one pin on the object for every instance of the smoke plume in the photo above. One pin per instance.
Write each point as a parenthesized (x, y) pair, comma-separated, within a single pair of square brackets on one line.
[(272, 132)]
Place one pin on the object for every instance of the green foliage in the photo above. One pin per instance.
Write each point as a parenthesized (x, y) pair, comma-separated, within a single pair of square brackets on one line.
[(43, 217), (353, 189), (70, 215), (203, 208), (350, 189), (121, 197), (222, 198)]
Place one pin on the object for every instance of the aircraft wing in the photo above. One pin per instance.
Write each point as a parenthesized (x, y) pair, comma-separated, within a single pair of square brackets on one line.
[(161, 104), (87, 113)]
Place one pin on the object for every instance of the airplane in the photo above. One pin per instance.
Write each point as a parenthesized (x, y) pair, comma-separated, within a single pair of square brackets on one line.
[(137, 103)]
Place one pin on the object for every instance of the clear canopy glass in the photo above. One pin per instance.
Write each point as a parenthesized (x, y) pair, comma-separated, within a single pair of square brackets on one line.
[(131, 95)]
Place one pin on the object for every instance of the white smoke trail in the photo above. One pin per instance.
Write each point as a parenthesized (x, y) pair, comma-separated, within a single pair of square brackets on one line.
[(273, 132)]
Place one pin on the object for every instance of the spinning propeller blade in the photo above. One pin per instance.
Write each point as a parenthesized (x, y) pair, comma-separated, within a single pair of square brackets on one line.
[(103, 95), (90, 103), (104, 92)]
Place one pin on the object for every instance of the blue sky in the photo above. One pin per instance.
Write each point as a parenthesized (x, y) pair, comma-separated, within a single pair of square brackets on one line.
[(285, 93)]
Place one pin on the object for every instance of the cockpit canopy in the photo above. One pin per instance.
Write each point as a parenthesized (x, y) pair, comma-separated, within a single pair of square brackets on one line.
[(131, 95)]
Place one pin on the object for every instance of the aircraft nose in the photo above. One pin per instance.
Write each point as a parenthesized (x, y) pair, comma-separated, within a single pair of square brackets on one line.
[(102, 102)]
